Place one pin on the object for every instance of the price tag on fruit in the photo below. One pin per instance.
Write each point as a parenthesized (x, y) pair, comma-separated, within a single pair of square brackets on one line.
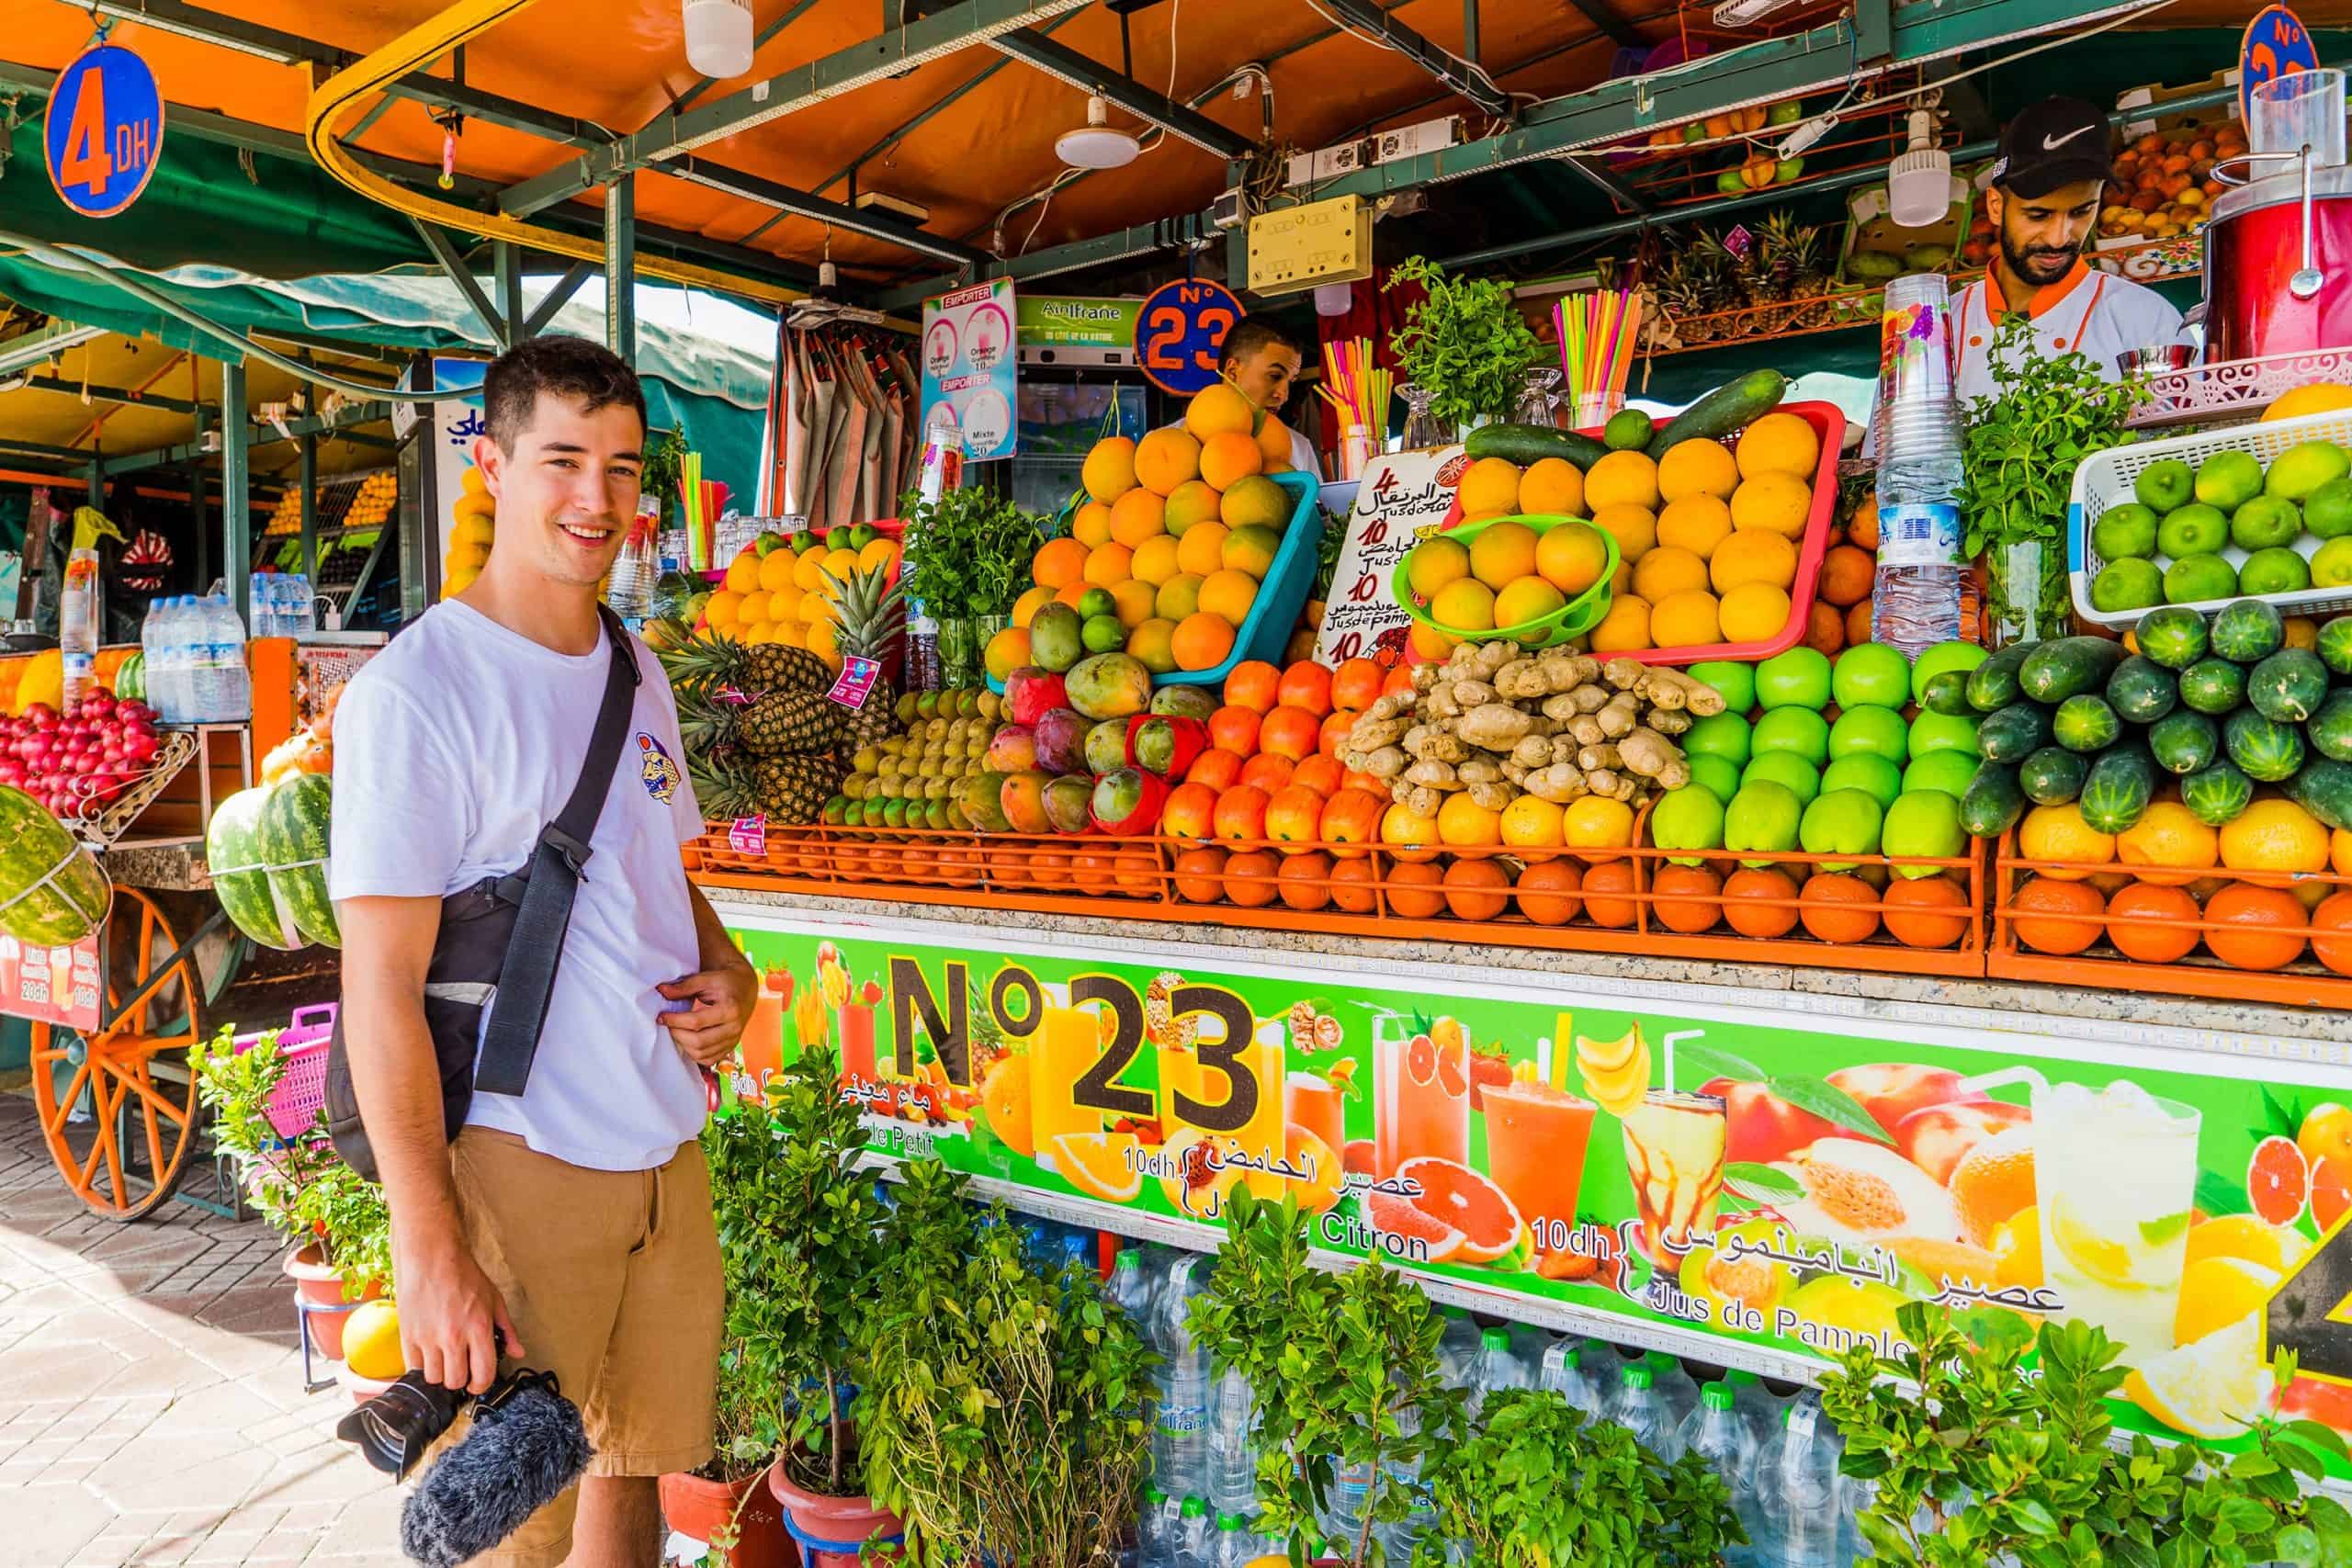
[(748, 836), (857, 678), (1403, 497)]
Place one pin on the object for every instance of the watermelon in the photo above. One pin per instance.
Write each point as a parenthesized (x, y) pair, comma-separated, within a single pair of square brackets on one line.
[(53, 889), (131, 679), (2216, 794), (240, 876), (2264, 747), (293, 839)]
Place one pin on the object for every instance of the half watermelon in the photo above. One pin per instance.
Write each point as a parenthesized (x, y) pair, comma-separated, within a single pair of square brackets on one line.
[(52, 891)]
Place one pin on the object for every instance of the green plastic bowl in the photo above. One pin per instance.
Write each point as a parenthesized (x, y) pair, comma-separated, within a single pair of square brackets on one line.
[(1575, 618)]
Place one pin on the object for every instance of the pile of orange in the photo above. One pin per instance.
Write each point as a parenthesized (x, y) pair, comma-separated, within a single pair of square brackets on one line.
[(778, 594), (1708, 540), (1179, 527)]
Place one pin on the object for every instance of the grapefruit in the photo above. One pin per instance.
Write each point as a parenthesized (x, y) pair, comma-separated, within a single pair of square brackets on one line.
[(1461, 1216), (371, 1342)]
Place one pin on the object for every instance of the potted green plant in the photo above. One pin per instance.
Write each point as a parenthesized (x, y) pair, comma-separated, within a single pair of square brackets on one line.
[(1464, 348), (1007, 1415), (335, 1220), (1975, 1461), (1343, 1369), (2018, 453), (726, 1504), (1537, 1483), (967, 557), (802, 1237)]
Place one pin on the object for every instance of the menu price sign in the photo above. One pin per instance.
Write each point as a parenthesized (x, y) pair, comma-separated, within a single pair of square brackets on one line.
[(102, 136), (970, 372), (1763, 1181), (50, 985), (1404, 498)]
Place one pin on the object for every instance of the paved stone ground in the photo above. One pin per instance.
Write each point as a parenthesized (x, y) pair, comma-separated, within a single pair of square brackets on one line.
[(150, 1392)]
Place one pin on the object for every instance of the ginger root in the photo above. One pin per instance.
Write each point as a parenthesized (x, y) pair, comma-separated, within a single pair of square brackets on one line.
[(1370, 734), (1482, 769), (1673, 688), (1559, 783), (1651, 755), (1669, 721), (1497, 727), (1385, 763), (1423, 801), (1493, 797), (1432, 774), (1619, 714), (1437, 745)]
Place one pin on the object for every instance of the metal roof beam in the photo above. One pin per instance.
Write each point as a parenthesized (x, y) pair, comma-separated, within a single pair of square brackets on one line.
[(453, 268), (340, 422), (800, 203), (1067, 64), (1367, 17), (129, 397), (682, 131), (292, 48), (1186, 233), (1616, 28)]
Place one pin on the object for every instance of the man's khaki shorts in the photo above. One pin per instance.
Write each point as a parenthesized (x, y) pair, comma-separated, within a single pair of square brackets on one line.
[(613, 1280)]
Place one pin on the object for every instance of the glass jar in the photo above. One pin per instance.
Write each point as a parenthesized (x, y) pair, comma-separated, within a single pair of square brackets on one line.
[(2027, 595), (1539, 397), (1422, 427), (960, 643)]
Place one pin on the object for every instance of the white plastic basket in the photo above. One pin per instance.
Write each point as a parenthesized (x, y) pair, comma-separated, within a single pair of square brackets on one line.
[(2105, 479)]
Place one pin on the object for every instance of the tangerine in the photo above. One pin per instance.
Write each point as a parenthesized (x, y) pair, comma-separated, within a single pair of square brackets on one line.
[(1306, 684), (1218, 408), (1109, 565), (1858, 624), (1305, 881), (1235, 728), (1091, 526), (1228, 458), (1253, 683), (1408, 888), (2132, 921), (1167, 458), (1291, 732), (2253, 927), (1059, 562), (1753, 901), (2334, 916), (1546, 892), (1203, 641), (1226, 593), (1571, 556), (1333, 737), (1199, 549), (1355, 684), (2055, 914), (1269, 773), (1686, 899), (1847, 574), (1607, 893), (1352, 887), (1824, 629), (1109, 471), (1217, 768), (1926, 912), (1471, 889), (1249, 878), (1837, 908)]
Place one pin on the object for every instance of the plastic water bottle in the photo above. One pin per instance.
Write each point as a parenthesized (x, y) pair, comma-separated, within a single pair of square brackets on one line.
[(1130, 1288), (1639, 1409), (1676, 1387), (1179, 1459), (166, 686), (1756, 1404), (302, 605), (1458, 1349), (263, 596), (1802, 1503), (1499, 1368), (1233, 1445), (77, 625), (1916, 595), (1236, 1545), (1156, 1530), (1193, 1534), (221, 692), (1567, 1371), (1717, 1435)]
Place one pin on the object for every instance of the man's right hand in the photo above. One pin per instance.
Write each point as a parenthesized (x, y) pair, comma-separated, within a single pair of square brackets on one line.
[(448, 1311)]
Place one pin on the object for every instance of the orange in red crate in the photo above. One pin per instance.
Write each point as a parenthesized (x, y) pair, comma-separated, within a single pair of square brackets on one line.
[(2261, 928), (1136, 871), (2149, 944), (1926, 912), (1249, 878), (1200, 875), (1830, 912), (1687, 898), (1546, 892), (1294, 816), (1351, 886), (1410, 893), (2052, 915), (1234, 728), (1305, 881), (1190, 812), (1267, 771), (1320, 772), (1750, 904), (1219, 770), (1253, 683), (1476, 889), (2332, 932), (1351, 817), (1604, 885)]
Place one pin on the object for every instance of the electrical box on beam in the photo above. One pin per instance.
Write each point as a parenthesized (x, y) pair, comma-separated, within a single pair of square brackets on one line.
[(1294, 248)]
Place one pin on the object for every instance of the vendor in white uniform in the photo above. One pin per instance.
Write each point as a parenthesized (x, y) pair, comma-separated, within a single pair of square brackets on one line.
[(2044, 197), (1262, 359)]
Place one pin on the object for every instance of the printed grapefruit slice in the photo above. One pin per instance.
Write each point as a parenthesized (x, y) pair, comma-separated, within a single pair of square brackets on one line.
[(2277, 1180), (1463, 1217), (1100, 1164), (1420, 1059)]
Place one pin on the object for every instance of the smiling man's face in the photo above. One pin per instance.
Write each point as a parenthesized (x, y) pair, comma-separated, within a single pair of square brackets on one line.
[(568, 489)]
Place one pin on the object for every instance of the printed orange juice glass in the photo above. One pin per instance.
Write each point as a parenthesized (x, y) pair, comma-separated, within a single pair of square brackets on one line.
[(1318, 1105), (761, 1051), (857, 1043), (1420, 1107), (1674, 1154), (1061, 1051), (1536, 1146), (1180, 1073)]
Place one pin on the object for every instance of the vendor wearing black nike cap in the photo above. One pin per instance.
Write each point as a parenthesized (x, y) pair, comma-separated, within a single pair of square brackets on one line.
[(2042, 195)]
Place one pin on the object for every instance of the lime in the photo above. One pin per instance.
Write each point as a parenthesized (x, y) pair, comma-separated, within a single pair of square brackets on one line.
[(2230, 479), (1096, 602), (2274, 570), (1102, 633), (1799, 678), (1629, 431), (1799, 731), (1947, 771), (2299, 470), (1867, 772), (2126, 530), (1865, 727), (837, 537), (1786, 768), (2327, 511), (1840, 821), (1871, 673), (2163, 485), (2130, 584), (1933, 661), (2264, 521), (2195, 529), (2194, 580)]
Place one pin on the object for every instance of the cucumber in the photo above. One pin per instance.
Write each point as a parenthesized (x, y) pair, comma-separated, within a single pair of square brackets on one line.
[(2084, 723), (2330, 730), (2174, 636), (2215, 795), (2142, 689), (2265, 749), (1992, 803), (2064, 666), (2247, 631), (1530, 444), (2183, 742), (2213, 685), (2287, 686), (1731, 407), (1947, 693), (2117, 788), (1994, 683), (2008, 736), (2052, 775), (2322, 786)]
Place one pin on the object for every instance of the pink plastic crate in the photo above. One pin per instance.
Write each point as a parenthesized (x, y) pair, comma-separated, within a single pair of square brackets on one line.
[(293, 1106)]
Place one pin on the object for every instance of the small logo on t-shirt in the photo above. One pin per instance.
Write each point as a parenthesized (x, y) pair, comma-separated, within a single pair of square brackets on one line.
[(655, 769)]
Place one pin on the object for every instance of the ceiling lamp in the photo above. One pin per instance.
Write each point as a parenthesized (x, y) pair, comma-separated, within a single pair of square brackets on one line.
[(1095, 145), (718, 37), (1918, 183)]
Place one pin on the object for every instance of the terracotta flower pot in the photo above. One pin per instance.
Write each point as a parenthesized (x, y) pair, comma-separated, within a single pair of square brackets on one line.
[(697, 1508), (320, 1286), (361, 1389), (831, 1529)]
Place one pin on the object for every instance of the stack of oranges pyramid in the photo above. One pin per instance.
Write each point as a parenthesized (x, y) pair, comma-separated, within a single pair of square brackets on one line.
[(1179, 527)]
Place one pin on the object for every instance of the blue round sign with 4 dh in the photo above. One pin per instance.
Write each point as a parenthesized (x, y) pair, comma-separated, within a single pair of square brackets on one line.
[(104, 132)]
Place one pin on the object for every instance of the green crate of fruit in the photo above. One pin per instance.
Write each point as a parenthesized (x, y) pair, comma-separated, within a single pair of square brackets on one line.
[(1583, 610)]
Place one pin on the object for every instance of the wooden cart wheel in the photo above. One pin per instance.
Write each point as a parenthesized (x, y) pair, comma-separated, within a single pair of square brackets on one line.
[(117, 1106)]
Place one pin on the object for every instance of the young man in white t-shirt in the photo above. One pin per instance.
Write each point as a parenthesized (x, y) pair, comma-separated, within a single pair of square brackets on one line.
[(573, 1218)]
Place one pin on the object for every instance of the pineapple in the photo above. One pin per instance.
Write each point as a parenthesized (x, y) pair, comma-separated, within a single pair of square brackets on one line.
[(724, 783), (1786, 250), (869, 613), (1729, 280), (794, 787), (1809, 282), (781, 722), (699, 659), (1678, 297)]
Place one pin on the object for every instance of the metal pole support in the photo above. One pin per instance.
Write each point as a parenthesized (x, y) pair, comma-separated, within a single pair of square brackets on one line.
[(621, 267), (236, 494)]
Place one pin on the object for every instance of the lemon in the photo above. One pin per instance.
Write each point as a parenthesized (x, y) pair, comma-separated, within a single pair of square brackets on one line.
[(2216, 1293), (2246, 1237), (2210, 1388), (2105, 1261)]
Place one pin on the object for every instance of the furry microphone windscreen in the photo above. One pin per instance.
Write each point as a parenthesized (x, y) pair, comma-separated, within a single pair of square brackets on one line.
[(511, 1462)]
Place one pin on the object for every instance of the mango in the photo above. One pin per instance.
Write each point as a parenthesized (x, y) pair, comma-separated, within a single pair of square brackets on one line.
[(1108, 685)]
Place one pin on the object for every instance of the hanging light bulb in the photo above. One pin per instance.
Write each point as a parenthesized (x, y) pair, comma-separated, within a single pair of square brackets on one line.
[(1918, 183), (718, 37)]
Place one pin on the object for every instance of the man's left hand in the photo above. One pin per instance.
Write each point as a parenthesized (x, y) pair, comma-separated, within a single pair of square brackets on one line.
[(718, 1005)]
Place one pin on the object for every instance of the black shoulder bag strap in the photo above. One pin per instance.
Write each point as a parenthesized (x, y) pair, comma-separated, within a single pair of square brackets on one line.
[(519, 1010)]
